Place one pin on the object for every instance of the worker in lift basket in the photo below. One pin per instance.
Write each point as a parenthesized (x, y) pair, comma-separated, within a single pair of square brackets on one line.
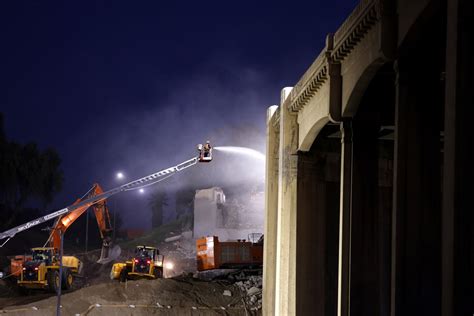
[(207, 149)]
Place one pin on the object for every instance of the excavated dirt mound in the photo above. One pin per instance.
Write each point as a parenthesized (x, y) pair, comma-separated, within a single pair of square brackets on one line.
[(177, 296)]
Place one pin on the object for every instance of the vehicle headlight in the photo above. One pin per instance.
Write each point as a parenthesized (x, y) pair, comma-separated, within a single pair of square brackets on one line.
[(1, 275), (169, 265)]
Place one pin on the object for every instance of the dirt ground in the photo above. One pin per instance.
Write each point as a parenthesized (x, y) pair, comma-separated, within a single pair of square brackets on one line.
[(176, 296), (96, 294)]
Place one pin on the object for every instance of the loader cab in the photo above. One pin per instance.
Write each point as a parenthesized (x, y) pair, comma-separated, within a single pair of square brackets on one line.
[(149, 254), (46, 255), (147, 261), (144, 252)]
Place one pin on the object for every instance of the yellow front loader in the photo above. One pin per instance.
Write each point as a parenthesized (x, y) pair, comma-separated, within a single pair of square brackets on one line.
[(42, 272), (146, 263)]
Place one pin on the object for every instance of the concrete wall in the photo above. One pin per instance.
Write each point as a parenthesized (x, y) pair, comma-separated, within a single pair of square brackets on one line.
[(229, 220), (404, 239), (206, 211)]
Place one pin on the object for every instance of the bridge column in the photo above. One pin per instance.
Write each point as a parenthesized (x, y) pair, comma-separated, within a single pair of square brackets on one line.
[(416, 239), (458, 219), (285, 294), (317, 227), (271, 218), (370, 240)]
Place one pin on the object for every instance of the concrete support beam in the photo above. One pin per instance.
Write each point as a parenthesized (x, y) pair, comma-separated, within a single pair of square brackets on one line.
[(271, 215), (458, 219), (366, 230), (416, 229), (285, 296), (317, 228)]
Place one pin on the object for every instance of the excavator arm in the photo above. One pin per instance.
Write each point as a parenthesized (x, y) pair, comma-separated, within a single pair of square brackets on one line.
[(101, 213)]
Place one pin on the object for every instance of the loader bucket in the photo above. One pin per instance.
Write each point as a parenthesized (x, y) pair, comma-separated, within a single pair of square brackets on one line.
[(109, 252)]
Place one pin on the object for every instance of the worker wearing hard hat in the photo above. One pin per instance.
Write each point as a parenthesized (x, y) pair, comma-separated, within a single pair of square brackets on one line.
[(207, 148)]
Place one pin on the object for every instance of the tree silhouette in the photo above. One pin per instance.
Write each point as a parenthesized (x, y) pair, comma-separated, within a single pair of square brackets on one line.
[(26, 174)]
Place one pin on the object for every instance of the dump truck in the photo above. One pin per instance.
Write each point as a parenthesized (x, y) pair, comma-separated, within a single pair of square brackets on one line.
[(146, 263), (214, 254), (42, 270)]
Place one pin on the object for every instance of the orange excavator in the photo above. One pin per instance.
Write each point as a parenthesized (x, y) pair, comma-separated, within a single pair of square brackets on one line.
[(41, 268), (102, 216)]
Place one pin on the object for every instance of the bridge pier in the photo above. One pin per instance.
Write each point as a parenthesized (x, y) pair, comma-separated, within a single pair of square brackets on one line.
[(417, 195), (317, 226), (458, 190), (285, 293), (271, 212)]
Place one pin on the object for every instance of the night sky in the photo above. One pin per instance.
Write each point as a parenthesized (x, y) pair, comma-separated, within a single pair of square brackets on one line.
[(134, 85)]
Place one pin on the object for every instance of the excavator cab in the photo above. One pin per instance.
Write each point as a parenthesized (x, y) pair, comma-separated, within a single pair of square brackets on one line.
[(205, 152)]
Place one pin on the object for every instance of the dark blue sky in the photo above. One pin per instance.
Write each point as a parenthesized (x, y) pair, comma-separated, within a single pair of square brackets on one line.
[(133, 85)]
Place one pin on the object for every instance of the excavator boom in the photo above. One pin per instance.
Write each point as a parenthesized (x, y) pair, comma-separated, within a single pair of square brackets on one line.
[(103, 221)]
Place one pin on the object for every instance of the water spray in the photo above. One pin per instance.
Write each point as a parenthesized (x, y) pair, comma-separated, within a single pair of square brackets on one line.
[(242, 150)]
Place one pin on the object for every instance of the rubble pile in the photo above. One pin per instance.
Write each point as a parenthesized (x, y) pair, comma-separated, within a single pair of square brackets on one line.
[(252, 290), (248, 282)]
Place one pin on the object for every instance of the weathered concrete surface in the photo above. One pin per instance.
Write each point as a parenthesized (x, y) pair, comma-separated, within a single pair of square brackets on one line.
[(271, 208), (285, 294), (406, 235)]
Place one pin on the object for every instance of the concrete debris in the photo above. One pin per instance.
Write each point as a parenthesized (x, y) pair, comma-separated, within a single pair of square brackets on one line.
[(253, 290), (174, 238), (227, 293)]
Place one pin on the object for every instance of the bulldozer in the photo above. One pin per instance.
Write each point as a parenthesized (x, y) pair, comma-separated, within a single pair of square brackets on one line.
[(146, 263)]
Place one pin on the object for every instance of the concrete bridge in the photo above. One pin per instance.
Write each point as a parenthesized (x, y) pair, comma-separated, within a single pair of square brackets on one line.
[(369, 169)]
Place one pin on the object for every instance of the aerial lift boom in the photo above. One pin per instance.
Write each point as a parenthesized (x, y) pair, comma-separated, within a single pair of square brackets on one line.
[(204, 156)]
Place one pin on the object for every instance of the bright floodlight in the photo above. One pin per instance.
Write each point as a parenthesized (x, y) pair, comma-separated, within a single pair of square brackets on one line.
[(169, 265), (141, 190), (119, 175)]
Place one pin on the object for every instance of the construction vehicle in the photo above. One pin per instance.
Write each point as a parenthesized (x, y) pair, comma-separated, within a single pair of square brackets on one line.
[(42, 267), (102, 216), (213, 254), (146, 263), (68, 214), (43, 270)]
